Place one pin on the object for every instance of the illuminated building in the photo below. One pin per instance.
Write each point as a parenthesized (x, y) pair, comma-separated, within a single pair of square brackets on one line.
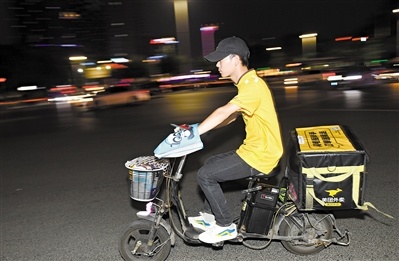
[(208, 38), (55, 23)]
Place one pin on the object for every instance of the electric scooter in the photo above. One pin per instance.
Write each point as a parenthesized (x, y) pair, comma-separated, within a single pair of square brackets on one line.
[(267, 214)]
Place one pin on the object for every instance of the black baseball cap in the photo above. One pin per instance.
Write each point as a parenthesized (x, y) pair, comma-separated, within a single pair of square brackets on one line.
[(230, 45)]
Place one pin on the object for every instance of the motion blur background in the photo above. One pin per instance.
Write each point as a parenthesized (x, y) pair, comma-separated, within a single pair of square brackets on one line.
[(64, 185), (49, 44)]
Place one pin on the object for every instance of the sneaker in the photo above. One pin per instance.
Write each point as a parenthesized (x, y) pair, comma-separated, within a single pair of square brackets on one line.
[(183, 141), (218, 234), (204, 221)]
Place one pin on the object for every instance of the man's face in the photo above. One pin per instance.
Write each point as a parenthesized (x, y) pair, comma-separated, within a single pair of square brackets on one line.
[(227, 65)]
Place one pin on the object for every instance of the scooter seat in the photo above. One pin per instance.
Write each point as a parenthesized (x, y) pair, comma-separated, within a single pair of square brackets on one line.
[(266, 176)]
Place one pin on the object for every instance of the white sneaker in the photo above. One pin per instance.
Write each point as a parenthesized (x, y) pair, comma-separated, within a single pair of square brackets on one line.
[(218, 234), (204, 221)]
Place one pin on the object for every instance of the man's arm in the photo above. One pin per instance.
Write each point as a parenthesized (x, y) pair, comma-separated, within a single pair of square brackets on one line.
[(220, 117)]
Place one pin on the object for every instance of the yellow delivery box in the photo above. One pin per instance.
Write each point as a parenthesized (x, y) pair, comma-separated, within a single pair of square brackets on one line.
[(326, 168)]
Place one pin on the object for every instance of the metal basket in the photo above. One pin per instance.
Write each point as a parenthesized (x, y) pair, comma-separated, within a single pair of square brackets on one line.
[(146, 174)]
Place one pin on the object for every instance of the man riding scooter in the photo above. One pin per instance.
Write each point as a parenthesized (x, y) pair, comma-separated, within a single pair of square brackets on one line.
[(260, 151)]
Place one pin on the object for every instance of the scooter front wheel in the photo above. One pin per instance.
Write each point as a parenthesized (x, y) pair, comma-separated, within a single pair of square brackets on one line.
[(317, 227), (133, 244)]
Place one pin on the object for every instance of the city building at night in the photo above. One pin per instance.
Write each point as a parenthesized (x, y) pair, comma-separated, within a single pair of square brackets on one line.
[(39, 36)]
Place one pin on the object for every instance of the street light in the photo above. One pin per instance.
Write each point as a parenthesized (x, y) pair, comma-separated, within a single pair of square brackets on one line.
[(308, 35), (273, 48), (183, 33), (396, 11), (77, 58), (309, 44), (208, 38)]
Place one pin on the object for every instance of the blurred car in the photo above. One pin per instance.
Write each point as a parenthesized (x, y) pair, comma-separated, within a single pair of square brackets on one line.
[(152, 86), (62, 92), (310, 76), (120, 95), (306, 77), (113, 96), (389, 73), (351, 78)]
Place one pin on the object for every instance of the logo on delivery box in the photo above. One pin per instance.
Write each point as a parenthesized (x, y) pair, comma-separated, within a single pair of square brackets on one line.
[(332, 200)]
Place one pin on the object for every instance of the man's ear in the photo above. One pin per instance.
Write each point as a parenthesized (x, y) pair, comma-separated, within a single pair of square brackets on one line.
[(236, 60)]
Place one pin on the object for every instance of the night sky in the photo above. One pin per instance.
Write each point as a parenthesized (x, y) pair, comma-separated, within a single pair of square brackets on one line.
[(269, 18)]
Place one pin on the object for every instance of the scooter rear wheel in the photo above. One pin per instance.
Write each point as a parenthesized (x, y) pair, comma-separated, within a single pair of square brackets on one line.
[(318, 226), (133, 242)]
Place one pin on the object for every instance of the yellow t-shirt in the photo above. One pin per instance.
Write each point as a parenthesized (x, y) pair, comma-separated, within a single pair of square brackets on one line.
[(262, 147)]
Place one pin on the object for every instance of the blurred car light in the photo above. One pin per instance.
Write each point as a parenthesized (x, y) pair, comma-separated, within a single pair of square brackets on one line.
[(69, 98), (387, 76), (344, 78), (334, 78), (111, 96), (352, 77), (291, 81), (30, 88)]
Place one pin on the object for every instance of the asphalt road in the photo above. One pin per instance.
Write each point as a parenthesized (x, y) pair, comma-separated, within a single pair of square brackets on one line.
[(64, 189)]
